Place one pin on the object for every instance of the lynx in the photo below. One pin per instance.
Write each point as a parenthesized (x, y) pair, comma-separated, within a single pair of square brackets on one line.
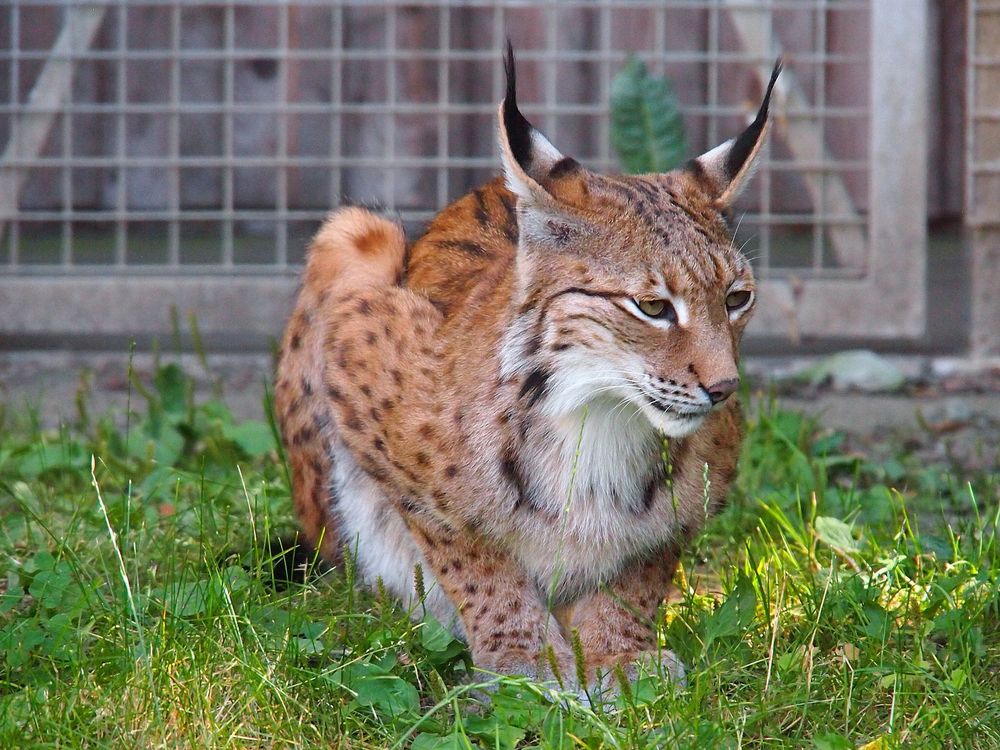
[(534, 402)]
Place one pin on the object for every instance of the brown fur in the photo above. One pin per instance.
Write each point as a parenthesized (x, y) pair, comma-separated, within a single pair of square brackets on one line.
[(303, 414), (437, 420)]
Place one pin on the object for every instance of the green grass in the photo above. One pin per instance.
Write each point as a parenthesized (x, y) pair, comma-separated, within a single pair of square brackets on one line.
[(837, 603)]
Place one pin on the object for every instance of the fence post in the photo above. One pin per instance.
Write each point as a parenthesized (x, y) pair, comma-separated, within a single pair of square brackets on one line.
[(982, 164), (51, 89), (898, 158)]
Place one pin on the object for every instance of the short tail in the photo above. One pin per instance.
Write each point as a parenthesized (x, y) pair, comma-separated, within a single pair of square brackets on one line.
[(354, 248)]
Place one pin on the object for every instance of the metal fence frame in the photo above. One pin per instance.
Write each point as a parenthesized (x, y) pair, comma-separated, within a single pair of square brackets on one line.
[(871, 295)]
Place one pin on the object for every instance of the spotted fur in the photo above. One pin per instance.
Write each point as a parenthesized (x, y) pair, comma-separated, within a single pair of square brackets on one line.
[(496, 407)]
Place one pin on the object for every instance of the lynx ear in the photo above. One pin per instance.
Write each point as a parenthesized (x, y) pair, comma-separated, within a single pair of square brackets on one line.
[(529, 159), (724, 170)]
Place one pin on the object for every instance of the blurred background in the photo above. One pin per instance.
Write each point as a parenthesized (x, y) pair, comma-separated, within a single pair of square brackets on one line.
[(163, 164)]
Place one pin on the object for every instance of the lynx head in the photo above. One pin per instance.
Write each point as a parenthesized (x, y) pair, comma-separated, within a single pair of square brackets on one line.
[(628, 287)]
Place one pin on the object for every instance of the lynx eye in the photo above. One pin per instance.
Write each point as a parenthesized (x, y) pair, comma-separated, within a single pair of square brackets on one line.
[(738, 299), (660, 309)]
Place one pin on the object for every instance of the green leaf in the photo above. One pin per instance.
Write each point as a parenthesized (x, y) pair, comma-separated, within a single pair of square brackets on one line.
[(388, 694), (185, 599), (42, 560), (645, 690), (877, 623), (253, 437), (434, 636), (189, 599), (514, 705), (18, 641), (790, 661), (309, 646), (836, 533), (12, 595), (168, 447), (173, 386), (68, 456), (557, 729), (61, 634), (308, 637), (160, 484), (442, 646), (828, 444), (424, 741), (735, 615), (647, 130), (833, 742), (493, 732), (49, 586), (940, 546), (957, 678), (236, 579)]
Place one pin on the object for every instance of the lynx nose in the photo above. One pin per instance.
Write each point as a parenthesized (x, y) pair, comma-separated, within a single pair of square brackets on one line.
[(719, 392)]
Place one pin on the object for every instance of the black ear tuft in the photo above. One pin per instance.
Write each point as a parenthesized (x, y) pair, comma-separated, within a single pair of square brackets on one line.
[(517, 127), (747, 140), (528, 157)]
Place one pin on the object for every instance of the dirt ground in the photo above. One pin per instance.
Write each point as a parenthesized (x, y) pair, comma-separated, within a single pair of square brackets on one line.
[(946, 410)]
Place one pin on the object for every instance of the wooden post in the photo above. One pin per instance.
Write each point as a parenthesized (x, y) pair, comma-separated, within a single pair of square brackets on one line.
[(828, 192), (983, 175), (51, 89), (897, 222)]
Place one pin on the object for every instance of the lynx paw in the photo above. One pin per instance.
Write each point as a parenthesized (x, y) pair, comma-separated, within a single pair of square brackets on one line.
[(605, 685), (524, 663)]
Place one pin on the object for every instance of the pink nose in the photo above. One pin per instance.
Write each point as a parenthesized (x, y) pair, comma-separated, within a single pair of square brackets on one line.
[(719, 392)]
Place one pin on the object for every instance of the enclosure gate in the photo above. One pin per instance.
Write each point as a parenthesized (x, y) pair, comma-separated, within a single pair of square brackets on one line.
[(159, 155)]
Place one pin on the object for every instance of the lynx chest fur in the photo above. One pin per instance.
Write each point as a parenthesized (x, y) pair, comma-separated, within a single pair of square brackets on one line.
[(534, 403)]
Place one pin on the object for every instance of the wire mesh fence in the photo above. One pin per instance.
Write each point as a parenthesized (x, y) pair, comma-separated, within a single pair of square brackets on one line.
[(206, 138)]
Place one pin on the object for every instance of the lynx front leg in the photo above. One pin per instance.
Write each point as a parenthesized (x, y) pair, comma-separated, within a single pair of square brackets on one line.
[(617, 625), (506, 624)]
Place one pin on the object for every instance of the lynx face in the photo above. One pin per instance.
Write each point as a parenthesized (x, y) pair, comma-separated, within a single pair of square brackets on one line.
[(630, 287), (647, 309)]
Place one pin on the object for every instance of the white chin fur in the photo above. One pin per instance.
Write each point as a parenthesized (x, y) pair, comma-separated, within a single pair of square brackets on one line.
[(672, 425)]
